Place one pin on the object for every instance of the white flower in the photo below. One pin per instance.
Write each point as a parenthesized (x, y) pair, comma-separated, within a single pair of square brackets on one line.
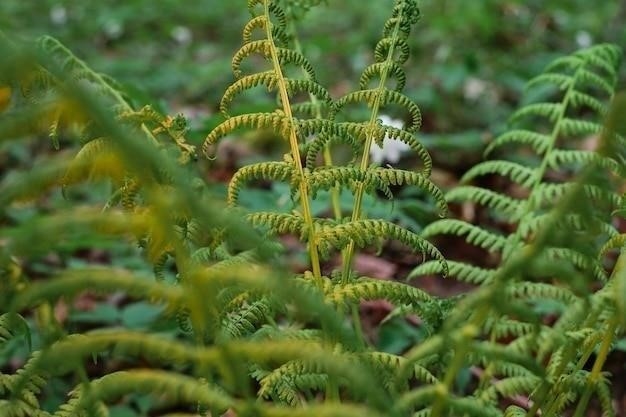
[(583, 39), (58, 15), (113, 29), (474, 88), (182, 35), (392, 149)]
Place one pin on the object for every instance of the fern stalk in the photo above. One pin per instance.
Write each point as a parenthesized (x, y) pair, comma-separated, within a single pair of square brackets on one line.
[(605, 347), (531, 201), (369, 138), (596, 371), (295, 151)]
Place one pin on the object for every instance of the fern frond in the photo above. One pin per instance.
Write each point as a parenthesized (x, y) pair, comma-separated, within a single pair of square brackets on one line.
[(574, 127), (280, 223), (11, 325), (365, 232), (374, 289), (361, 130), (271, 121), (324, 178), (246, 320), (501, 203), (315, 147), (548, 193), (459, 270), (392, 69), (387, 97), (517, 173), (568, 157), (277, 171), (269, 80), (579, 99), (378, 178), (97, 159), (580, 260), (179, 388), (510, 387), (573, 222), (100, 279), (475, 235), (615, 242), (537, 141), (264, 48), (392, 363)]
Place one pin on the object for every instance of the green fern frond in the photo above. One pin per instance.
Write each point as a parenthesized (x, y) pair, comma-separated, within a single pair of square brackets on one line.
[(361, 130), (551, 111), (96, 160), (510, 387), (476, 236), (259, 23), (315, 147), (277, 171), (537, 141), (562, 81), (271, 121), (392, 363), (365, 232), (615, 242), (73, 282), (548, 193), (580, 260), (264, 48), (504, 327), (507, 354), (324, 178), (516, 172), (572, 157), (573, 222), (502, 204), (280, 223), (79, 70), (573, 127), (459, 270), (246, 320), (373, 289), (375, 178), (269, 80), (179, 388), (387, 97), (579, 99), (392, 69)]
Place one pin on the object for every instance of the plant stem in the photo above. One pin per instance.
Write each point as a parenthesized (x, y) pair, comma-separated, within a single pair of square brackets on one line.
[(369, 138), (618, 274), (295, 150), (596, 371)]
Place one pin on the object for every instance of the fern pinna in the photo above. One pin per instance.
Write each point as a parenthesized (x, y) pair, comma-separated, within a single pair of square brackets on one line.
[(561, 220)]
